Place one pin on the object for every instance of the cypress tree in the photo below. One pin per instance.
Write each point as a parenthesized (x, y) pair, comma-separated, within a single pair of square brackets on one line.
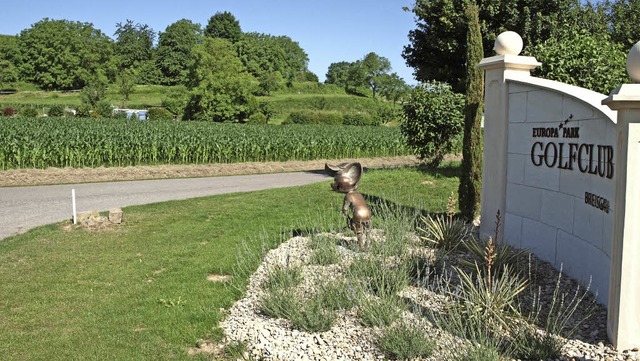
[(469, 191)]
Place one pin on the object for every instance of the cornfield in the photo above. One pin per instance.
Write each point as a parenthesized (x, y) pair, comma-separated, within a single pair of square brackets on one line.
[(64, 142)]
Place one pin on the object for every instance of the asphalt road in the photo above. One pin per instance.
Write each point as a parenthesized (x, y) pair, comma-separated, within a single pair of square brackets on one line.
[(23, 208)]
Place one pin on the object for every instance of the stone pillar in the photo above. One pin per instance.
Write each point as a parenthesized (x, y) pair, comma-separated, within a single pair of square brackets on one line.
[(623, 314), (496, 120)]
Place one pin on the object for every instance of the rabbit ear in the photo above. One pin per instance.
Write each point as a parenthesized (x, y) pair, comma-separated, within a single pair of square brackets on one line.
[(353, 172), (332, 170)]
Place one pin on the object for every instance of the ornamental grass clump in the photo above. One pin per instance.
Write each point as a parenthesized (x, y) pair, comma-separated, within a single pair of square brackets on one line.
[(403, 342), (380, 311), (442, 232), (324, 251), (375, 277)]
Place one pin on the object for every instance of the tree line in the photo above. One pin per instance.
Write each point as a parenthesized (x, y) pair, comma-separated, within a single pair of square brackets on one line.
[(221, 67)]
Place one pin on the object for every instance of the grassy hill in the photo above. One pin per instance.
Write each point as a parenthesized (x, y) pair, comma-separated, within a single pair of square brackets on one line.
[(300, 97)]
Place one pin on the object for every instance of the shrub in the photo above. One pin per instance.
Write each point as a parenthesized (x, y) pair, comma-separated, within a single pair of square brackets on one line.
[(314, 117), (356, 119), (8, 112), (267, 109), (159, 114), (104, 109), (28, 112), (257, 118), (385, 114), (56, 111), (83, 111), (433, 117)]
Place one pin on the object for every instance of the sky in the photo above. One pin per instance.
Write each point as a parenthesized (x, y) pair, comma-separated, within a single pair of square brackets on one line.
[(329, 31)]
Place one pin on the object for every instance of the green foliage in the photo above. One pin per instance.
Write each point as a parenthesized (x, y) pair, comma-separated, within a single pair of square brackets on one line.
[(314, 117), (219, 85), (263, 53), (60, 54), (173, 53), (406, 342), (269, 82), (69, 143), (56, 111), (578, 58), (337, 295), (376, 278), (175, 100), (8, 73), (357, 119), (104, 109), (437, 44), (433, 118), (134, 44), (223, 25), (380, 311), (278, 303), (28, 112), (470, 189), (375, 67), (385, 114), (442, 232), (281, 277), (159, 114), (312, 316), (324, 252), (93, 92), (126, 84)]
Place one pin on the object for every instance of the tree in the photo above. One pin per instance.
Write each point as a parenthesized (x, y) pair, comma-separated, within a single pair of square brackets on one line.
[(219, 84), (338, 73), (374, 67), (623, 17), (9, 60), (134, 44), (582, 59), (8, 73), (269, 82), (264, 53), (173, 53), (392, 87), (437, 45), (433, 118), (60, 54), (223, 25), (126, 84), (470, 188)]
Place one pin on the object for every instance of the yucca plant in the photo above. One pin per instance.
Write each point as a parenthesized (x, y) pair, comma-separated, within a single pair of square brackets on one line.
[(492, 254), (444, 232)]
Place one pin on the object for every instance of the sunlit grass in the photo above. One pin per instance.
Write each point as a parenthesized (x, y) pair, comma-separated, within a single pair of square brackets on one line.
[(140, 291)]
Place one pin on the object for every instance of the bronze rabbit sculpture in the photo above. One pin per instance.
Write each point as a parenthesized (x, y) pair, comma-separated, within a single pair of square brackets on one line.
[(354, 208)]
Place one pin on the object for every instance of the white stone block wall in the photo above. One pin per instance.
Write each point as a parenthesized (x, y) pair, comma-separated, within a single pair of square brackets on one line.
[(545, 206)]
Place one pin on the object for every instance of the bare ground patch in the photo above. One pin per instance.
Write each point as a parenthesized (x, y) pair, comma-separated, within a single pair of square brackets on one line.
[(31, 177)]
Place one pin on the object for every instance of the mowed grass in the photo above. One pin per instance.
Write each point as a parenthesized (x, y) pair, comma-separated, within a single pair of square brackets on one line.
[(140, 290)]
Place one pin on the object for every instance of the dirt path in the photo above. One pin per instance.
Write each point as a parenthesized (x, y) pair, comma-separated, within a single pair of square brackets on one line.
[(30, 177)]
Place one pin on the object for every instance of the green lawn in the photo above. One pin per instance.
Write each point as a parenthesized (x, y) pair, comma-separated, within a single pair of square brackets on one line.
[(139, 291)]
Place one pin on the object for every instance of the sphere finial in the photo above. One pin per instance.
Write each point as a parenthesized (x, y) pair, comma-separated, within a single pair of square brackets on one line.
[(508, 43), (633, 63)]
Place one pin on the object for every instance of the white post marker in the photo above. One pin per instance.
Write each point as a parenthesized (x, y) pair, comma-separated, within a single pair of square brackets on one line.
[(73, 202)]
